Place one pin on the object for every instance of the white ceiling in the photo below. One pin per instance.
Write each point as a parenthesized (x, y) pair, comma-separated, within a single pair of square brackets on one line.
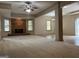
[(18, 6), (70, 9)]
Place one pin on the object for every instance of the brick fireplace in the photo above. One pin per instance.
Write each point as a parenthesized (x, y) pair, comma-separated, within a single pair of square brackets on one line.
[(18, 26)]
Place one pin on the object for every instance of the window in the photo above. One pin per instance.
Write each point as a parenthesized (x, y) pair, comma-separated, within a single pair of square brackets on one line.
[(6, 25), (30, 25), (48, 25)]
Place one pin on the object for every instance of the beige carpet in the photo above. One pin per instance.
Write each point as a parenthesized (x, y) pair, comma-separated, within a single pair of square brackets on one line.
[(38, 46)]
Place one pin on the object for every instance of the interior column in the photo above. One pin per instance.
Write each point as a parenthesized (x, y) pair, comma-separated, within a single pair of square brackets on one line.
[(0, 28), (59, 22)]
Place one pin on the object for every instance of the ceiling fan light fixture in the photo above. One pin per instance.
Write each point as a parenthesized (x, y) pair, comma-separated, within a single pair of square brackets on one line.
[(28, 10), (29, 7)]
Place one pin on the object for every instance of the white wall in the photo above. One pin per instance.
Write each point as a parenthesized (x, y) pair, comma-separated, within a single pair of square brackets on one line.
[(40, 25), (68, 25)]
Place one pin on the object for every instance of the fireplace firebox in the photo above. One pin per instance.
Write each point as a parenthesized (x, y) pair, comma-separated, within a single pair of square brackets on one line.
[(18, 30)]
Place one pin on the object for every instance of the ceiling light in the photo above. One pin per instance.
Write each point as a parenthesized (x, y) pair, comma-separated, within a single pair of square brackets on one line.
[(28, 10)]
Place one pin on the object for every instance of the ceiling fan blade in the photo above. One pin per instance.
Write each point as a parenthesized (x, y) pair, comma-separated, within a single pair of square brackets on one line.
[(35, 7)]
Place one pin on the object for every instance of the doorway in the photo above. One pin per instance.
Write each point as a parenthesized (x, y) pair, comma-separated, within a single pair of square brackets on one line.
[(77, 27)]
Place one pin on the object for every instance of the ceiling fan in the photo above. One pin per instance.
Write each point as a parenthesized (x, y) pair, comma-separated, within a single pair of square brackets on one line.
[(29, 7)]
